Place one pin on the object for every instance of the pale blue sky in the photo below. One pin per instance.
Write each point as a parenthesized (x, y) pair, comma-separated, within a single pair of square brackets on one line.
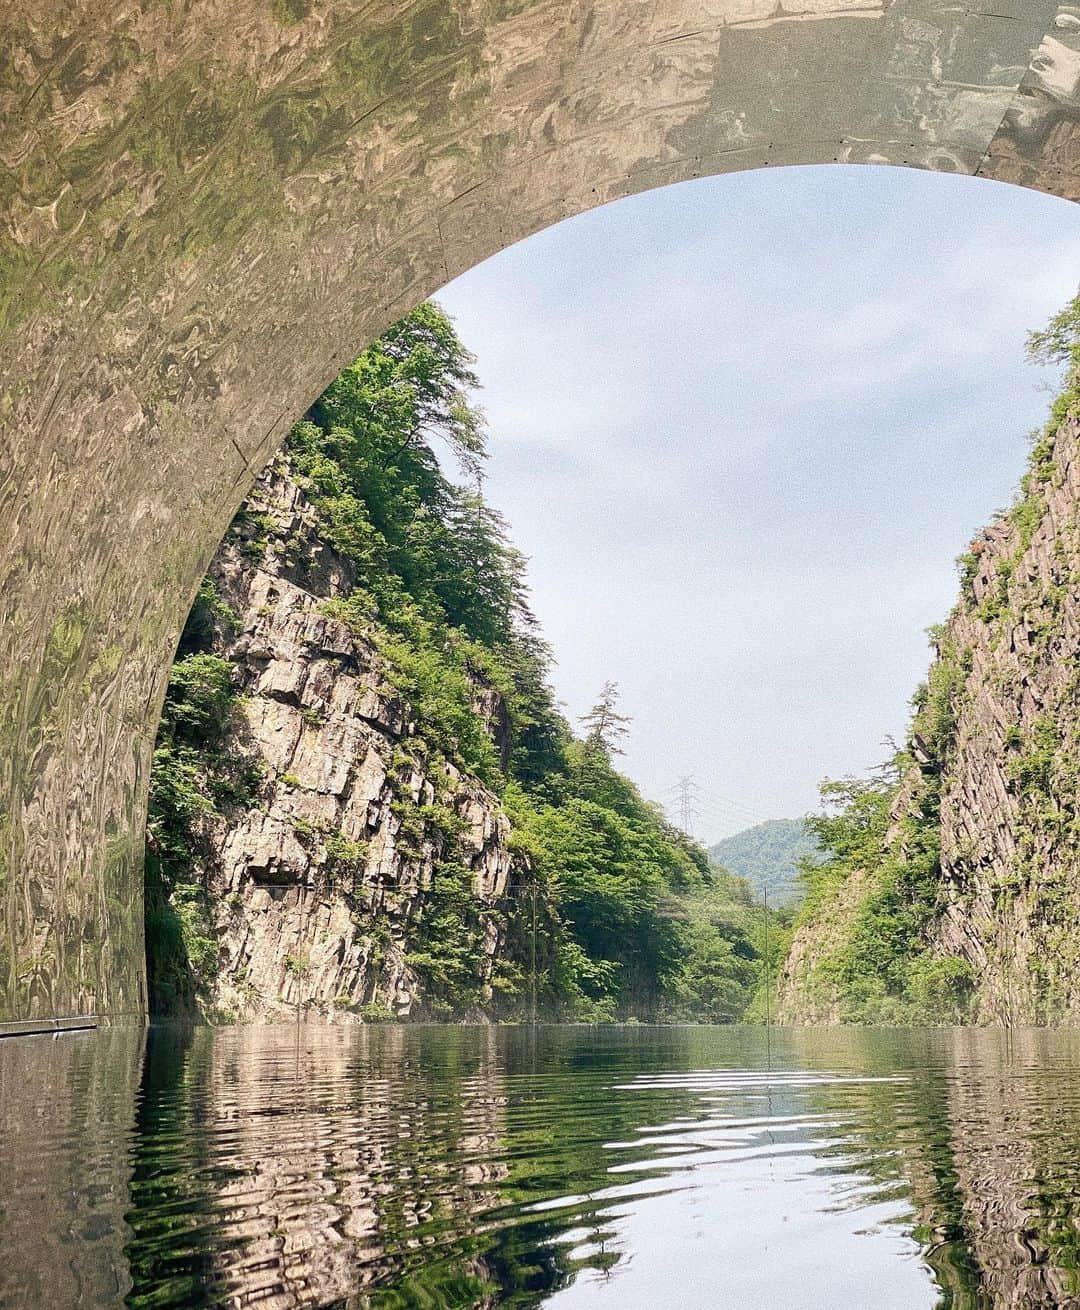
[(742, 427)]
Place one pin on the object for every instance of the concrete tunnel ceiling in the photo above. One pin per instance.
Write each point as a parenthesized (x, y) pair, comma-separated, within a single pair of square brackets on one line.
[(210, 206)]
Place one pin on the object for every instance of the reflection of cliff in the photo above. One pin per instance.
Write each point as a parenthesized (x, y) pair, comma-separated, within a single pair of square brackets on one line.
[(1015, 1130), (403, 1167), (337, 1164), (322, 1167), (67, 1111), (985, 1132), (372, 1166)]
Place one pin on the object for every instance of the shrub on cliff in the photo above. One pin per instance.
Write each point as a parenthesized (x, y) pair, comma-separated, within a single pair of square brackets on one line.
[(605, 916)]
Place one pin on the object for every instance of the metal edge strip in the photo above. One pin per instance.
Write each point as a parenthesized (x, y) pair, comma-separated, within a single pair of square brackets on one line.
[(35, 1027)]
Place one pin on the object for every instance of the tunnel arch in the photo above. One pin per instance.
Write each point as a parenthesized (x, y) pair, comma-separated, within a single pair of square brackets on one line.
[(209, 208)]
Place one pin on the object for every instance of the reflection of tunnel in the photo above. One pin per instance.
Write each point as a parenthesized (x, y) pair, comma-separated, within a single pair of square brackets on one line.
[(209, 210)]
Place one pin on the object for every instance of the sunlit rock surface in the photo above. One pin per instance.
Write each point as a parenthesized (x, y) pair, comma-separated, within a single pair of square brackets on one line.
[(339, 752), (1011, 787), (209, 208)]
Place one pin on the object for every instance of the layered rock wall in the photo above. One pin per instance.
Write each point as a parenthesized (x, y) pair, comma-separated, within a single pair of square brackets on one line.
[(318, 891), (1010, 836), (997, 788)]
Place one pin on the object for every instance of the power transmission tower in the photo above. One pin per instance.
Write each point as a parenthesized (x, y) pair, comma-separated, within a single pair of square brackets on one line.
[(686, 794)]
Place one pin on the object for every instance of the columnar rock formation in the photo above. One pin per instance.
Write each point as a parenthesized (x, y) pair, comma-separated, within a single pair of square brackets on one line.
[(1004, 773), (1010, 821), (208, 208), (318, 890)]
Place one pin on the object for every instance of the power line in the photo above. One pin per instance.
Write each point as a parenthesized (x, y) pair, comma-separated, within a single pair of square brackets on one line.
[(713, 800), (719, 808), (686, 802), (735, 807)]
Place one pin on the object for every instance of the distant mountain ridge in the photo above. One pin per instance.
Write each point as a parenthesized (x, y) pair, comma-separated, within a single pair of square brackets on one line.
[(767, 856)]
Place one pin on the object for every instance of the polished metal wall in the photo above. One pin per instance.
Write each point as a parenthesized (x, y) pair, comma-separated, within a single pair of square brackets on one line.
[(208, 208)]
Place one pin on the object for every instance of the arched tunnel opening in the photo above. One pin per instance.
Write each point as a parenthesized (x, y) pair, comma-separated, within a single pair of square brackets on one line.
[(365, 793), (189, 202), (225, 394)]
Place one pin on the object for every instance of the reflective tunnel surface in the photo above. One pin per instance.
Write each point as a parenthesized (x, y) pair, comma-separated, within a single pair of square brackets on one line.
[(207, 208), (639, 1167)]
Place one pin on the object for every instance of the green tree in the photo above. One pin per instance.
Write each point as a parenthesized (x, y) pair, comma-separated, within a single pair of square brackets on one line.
[(437, 587), (604, 726), (1059, 341)]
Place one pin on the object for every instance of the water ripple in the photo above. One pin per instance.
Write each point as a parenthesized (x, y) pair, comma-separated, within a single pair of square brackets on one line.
[(571, 1168)]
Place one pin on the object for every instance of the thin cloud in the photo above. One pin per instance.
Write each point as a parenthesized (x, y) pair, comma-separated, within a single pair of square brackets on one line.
[(743, 428)]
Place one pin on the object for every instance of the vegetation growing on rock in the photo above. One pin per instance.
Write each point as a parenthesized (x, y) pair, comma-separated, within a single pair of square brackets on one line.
[(364, 798), (950, 888)]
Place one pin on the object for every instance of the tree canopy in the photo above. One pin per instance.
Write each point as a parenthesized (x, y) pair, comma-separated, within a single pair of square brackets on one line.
[(628, 917)]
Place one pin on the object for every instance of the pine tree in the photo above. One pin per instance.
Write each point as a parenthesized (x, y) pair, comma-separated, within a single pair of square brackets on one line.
[(604, 726)]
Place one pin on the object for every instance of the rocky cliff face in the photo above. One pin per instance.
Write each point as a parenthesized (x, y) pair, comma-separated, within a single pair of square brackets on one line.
[(993, 764), (1010, 860), (318, 892)]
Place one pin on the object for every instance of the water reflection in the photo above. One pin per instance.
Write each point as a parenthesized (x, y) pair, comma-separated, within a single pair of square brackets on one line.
[(575, 1168), (67, 1107)]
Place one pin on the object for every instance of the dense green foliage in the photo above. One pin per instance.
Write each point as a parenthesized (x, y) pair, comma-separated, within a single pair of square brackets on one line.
[(879, 881), (640, 924), (878, 877), (196, 774), (436, 571), (768, 856), (611, 912)]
